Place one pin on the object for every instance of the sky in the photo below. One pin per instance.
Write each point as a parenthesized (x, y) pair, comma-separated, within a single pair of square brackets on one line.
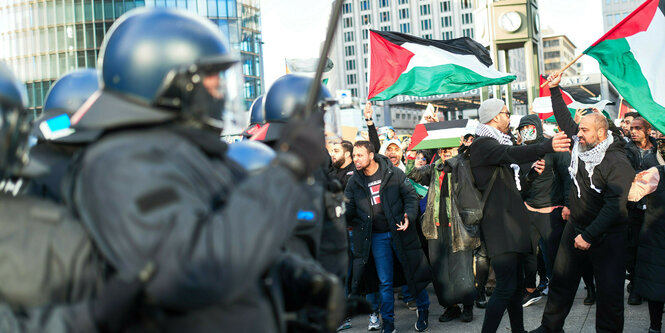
[(297, 28)]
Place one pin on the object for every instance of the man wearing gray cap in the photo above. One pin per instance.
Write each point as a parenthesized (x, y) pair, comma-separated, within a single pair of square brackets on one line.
[(504, 227)]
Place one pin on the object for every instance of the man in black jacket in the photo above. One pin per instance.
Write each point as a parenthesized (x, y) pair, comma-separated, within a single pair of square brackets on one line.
[(342, 161), (504, 227), (546, 198), (381, 202), (595, 234), (642, 154)]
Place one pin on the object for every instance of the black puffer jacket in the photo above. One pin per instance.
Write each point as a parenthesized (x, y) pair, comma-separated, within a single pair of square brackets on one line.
[(397, 197), (595, 214), (550, 188), (642, 162), (650, 267)]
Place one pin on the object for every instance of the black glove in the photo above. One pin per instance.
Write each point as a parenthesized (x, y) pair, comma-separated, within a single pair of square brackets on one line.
[(114, 307), (303, 147)]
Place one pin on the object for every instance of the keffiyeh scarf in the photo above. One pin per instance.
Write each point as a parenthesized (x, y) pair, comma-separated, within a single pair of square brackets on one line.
[(591, 159)]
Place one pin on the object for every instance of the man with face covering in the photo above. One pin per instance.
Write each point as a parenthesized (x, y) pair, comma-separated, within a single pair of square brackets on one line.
[(596, 232), (546, 198)]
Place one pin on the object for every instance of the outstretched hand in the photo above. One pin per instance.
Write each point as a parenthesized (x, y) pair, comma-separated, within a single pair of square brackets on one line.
[(368, 110), (554, 79), (560, 142), (404, 224)]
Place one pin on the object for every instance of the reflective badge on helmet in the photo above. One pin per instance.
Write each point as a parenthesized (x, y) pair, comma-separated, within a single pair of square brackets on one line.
[(56, 127)]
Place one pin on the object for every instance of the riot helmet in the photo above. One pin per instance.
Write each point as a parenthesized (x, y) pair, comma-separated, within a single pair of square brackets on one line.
[(253, 156), (288, 96), (161, 64), (257, 114), (14, 123)]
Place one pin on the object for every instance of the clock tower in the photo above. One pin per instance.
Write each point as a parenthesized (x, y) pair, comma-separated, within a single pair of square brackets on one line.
[(503, 25)]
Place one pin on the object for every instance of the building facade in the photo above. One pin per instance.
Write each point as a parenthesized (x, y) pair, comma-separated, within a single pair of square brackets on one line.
[(616, 10), (558, 51), (41, 40)]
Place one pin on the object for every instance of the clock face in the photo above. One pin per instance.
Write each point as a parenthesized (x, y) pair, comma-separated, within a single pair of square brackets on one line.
[(510, 21)]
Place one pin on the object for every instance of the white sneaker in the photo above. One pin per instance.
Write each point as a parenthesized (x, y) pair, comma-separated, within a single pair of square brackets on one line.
[(374, 324)]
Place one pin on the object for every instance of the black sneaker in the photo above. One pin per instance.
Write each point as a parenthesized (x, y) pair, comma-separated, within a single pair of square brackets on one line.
[(481, 299), (467, 314), (531, 298), (452, 312), (590, 296), (542, 285), (634, 299), (423, 322), (388, 327), (542, 329)]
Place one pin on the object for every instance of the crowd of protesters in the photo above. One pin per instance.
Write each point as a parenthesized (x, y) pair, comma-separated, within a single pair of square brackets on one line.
[(557, 209)]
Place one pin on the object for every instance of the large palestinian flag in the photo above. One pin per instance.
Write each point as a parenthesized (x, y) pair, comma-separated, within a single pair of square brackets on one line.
[(542, 105), (443, 134), (402, 64), (630, 56)]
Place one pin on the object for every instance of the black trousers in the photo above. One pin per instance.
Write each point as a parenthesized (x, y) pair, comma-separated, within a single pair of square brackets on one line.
[(656, 315), (509, 271), (635, 221), (542, 226), (608, 260)]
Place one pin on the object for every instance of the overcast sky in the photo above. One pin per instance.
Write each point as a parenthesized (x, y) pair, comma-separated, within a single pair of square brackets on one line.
[(296, 28)]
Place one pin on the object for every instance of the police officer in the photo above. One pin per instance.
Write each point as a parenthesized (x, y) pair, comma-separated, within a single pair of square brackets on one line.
[(256, 118), (156, 184)]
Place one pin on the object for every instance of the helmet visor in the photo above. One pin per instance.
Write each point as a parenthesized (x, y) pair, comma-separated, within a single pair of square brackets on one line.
[(332, 121), (218, 99)]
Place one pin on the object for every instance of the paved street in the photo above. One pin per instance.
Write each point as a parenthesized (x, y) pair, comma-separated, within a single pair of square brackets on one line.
[(580, 320)]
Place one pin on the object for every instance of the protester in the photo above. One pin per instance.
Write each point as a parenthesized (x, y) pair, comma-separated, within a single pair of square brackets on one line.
[(595, 234), (467, 140), (342, 161), (504, 227), (625, 124), (642, 154), (381, 204), (393, 150), (546, 198), (650, 266), (452, 270)]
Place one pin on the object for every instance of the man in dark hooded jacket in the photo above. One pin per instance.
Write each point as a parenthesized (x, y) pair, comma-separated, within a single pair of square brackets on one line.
[(595, 234), (642, 154), (546, 198)]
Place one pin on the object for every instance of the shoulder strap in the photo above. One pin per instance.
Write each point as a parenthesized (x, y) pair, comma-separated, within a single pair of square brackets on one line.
[(489, 188)]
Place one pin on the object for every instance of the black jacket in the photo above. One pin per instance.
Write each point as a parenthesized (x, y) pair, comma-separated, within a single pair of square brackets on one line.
[(505, 226), (650, 267), (639, 162), (397, 197), (343, 174), (550, 188), (173, 198), (593, 213)]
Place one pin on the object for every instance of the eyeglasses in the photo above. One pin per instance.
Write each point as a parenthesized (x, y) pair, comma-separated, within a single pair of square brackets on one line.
[(506, 113)]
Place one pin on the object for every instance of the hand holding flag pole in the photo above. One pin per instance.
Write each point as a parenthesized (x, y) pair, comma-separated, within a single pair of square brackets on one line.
[(564, 68)]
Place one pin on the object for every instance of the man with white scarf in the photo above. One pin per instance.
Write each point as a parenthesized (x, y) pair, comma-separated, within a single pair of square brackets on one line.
[(596, 232), (505, 226)]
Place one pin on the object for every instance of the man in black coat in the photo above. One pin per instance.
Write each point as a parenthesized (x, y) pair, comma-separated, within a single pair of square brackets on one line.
[(504, 227), (342, 161), (595, 234), (381, 202), (642, 154)]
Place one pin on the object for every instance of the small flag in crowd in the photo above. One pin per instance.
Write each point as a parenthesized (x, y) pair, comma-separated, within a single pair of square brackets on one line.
[(402, 64), (624, 108), (308, 67), (443, 134), (630, 56), (542, 106)]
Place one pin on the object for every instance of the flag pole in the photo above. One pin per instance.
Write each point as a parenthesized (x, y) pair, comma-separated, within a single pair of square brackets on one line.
[(565, 67)]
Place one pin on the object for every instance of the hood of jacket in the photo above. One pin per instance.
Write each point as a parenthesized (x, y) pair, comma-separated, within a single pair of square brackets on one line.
[(533, 119)]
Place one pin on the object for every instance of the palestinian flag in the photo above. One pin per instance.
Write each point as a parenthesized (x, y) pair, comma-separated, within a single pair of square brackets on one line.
[(624, 108), (443, 134), (402, 64), (630, 56), (542, 106)]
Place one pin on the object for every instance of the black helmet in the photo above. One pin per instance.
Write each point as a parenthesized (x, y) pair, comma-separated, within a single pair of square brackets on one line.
[(285, 97), (251, 155), (14, 123), (160, 64)]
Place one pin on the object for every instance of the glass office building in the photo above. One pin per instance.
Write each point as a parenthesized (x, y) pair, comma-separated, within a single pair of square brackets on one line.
[(44, 39)]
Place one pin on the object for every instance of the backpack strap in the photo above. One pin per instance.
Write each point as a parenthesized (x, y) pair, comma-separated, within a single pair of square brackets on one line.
[(489, 188)]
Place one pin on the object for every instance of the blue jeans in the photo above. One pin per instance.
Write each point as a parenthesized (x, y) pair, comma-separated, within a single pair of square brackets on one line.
[(382, 251)]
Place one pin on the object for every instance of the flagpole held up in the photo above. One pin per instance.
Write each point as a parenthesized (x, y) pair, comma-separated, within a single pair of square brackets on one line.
[(565, 67)]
